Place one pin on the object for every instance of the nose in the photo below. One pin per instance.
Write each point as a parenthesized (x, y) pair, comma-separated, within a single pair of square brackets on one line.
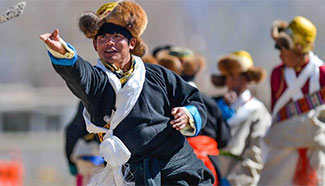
[(110, 40)]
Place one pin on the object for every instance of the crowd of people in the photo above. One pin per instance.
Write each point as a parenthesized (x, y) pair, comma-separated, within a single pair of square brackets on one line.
[(154, 126)]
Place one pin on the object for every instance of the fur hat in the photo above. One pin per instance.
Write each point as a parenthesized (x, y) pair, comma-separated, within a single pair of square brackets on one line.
[(192, 63), (172, 63), (180, 52), (125, 13), (299, 30), (149, 59), (236, 63)]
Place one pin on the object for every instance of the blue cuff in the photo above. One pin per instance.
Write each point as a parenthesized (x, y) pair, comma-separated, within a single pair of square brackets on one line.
[(196, 116), (96, 160), (63, 61), (226, 111)]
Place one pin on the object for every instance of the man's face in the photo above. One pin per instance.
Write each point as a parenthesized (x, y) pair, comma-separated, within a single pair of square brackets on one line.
[(289, 57), (113, 48), (236, 82)]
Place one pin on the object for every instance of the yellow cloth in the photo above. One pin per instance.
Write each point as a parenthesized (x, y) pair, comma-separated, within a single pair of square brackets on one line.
[(106, 9), (124, 76), (68, 55), (190, 128)]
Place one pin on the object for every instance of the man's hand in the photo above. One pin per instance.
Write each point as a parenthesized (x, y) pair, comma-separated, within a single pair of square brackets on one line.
[(180, 118), (53, 41), (230, 97)]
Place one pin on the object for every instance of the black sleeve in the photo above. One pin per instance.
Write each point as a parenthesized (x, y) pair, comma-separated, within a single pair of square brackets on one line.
[(216, 126), (180, 93), (84, 80)]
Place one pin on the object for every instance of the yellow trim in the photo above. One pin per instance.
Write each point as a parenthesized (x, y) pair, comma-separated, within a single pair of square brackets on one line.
[(190, 128), (105, 9), (68, 55), (125, 75)]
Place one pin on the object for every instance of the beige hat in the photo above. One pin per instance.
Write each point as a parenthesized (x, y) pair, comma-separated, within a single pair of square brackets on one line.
[(236, 63)]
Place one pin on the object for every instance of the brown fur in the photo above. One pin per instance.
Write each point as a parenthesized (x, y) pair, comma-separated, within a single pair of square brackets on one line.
[(88, 24), (140, 48), (193, 64), (218, 80), (127, 14), (172, 63), (277, 27), (229, 67), (149, 59), (256, 74)]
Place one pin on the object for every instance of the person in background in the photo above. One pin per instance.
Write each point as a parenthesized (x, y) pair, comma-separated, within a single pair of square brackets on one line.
[(140, 112), (216, 133), (81, 149), (242, 159), (296, 138)]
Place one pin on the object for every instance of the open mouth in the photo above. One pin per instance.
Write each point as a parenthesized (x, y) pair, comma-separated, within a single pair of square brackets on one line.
[(110, 52)]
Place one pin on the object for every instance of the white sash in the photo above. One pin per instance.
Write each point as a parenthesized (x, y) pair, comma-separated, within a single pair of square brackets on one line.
[(112, 148), (295, 84)]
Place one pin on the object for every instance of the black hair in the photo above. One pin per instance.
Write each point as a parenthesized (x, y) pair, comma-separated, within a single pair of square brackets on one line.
[(110, 28)]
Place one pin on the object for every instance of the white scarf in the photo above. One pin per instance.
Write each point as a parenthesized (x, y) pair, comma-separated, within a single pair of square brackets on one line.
[(295, 84), (112, 148), (244, 106)]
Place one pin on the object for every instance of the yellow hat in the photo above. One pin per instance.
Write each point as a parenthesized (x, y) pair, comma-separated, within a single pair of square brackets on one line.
[(300, 30), (236, 63)]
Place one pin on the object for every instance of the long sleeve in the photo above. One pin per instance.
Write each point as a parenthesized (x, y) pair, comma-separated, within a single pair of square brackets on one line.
[(85, 81), (181, 93), (247, 171)]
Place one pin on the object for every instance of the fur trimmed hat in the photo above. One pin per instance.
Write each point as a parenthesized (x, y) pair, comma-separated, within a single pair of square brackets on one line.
[(171, 62), (192, 62), (236, 63), (300, 30), (149, 59), (125, 13)]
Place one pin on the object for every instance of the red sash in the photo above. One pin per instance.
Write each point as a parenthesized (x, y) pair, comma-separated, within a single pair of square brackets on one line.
[(204, 146)]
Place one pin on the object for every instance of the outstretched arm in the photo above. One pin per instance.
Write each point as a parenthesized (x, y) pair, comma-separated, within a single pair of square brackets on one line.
[(52, 41), (81, 77)]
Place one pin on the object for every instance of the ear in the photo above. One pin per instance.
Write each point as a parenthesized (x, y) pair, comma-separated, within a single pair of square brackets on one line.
[(95, 44), (132, 44)]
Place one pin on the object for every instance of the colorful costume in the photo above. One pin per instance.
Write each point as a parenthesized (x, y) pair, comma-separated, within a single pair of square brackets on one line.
[(297, 136), (134, 110), (242, 159)]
